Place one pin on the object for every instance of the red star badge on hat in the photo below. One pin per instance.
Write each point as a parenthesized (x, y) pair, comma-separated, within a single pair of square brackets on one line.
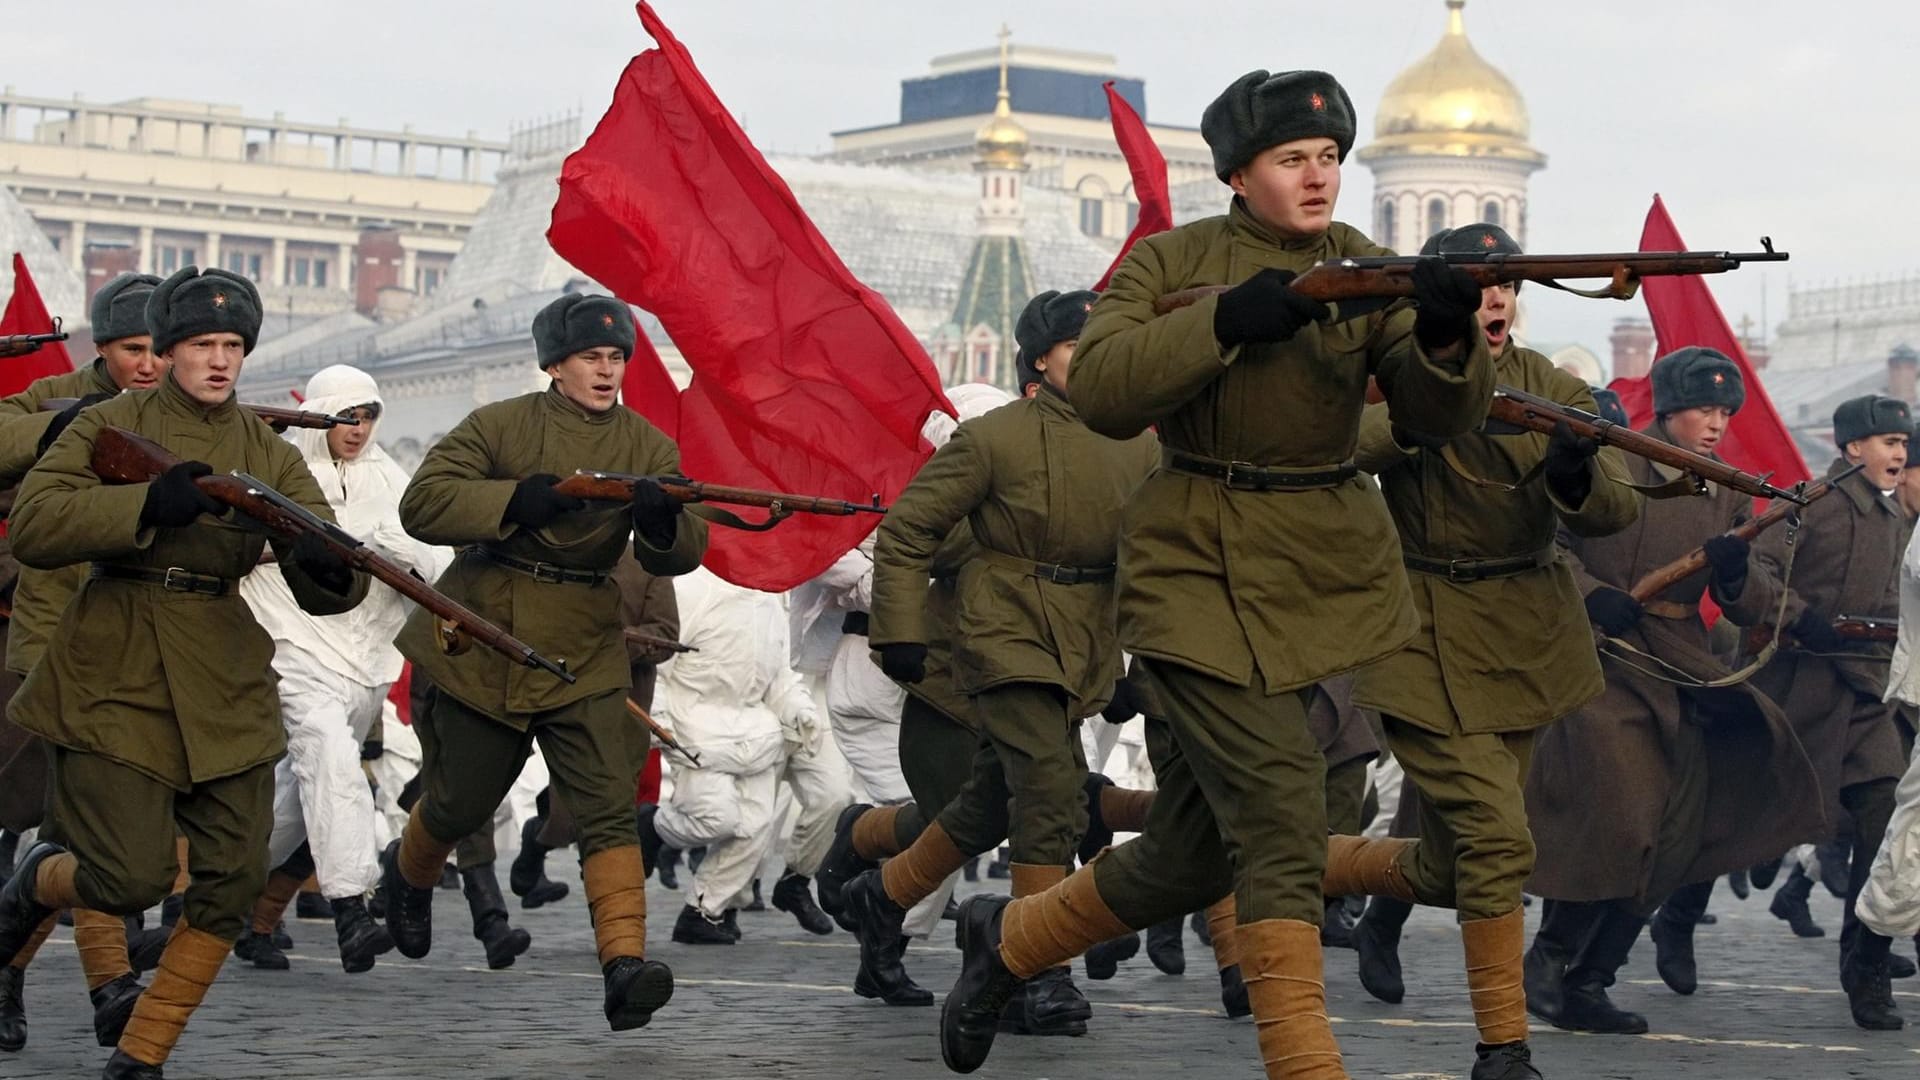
[(1487, 240), (1319, 103), (606, 320), (219, 299), (1086, 306), (1719, 378)]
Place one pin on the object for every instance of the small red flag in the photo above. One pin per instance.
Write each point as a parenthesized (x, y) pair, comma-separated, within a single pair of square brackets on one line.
[(1149, 170), (27, 314), (804, 380)]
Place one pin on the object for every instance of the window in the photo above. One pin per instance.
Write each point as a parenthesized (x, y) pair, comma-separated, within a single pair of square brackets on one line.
[(1491, 212), (299, 271), (429, 279), (320, 273), (1092, 216), (173, 256), (1133, 216), (1436, 215), (1383, 230), (983, 363)]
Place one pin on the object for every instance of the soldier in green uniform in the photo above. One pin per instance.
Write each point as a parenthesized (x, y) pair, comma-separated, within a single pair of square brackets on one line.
[(156, 691), (538, 563), (1254, 564), (1503, 650), (1036, 649), (126, 362)]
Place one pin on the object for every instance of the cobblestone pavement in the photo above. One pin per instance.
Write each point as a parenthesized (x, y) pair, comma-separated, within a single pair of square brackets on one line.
[(778, 1005)]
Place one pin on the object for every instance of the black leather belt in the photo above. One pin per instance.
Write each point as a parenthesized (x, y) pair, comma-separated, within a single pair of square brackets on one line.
[(542, 571), (854, 623), (1053, 572), (1478, 569), (1245, 476), (172, 579)]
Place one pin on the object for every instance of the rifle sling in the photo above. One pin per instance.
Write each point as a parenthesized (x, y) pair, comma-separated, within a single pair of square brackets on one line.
[(714, 514)]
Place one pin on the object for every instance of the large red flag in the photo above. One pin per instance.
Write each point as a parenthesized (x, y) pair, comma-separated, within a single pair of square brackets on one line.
[(1149, 170), (1684, 313), (804, 380), (27, 314)]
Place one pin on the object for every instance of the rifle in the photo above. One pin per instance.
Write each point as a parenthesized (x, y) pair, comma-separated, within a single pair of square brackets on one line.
[(122, 457), (1664, 578), (12, 345), (666, 737), (279, 418), (1861, 628), (618, 487), (654, 641), (1531, 412), (1361, 286)]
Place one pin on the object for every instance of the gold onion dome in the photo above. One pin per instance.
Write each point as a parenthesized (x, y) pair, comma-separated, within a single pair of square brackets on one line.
[(1001, 141), (1452, 102)]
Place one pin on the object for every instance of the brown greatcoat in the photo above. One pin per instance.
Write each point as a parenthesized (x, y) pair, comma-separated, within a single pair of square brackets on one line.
[(1850, 545), (1604, 779)]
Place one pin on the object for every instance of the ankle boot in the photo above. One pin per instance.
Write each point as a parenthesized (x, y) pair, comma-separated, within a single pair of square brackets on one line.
[(1864, 977), (1673, 952), (122, 1067), (13, 1008), (409, 909), (669, 868), (970, 1016), (1762, 874), (1198, 921), (1584, 1003), (902, 992), (1790, 903), (843, 862), (1376, 938), (1505, 1061), (1564, 925), (792, 895), (112, 1007), (1049, 1005), (1336, 929), (694, 928), (361, 939), (878, 923), (635, 990), (20, 912), (502, 941), (1233, 993), (527, 876), (1166, 946), (1103, 960), (259, 950)]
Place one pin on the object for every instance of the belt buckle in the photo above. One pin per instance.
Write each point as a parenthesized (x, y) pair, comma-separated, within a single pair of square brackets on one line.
[(1458, 575), (549, 573), (1243, 467), (167, 582), (1064, 575)]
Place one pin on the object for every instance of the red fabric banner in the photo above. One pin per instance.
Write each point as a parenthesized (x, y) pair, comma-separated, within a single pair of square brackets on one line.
[(27, 314), (1685, 313), (1149, 170), (804, 380)]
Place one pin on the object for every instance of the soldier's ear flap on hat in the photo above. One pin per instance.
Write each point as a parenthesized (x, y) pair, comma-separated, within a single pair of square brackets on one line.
[(1263, 109)]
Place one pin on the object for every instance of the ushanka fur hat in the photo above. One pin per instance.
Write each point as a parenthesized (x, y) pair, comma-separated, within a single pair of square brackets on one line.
[(1865, 417), (1048, 319), (1262, 109), (577, 322), (1695, 376), (194, 302), (119, 309)]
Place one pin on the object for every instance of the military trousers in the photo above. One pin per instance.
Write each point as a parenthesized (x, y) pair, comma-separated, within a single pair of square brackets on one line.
[(470, 761), (1027, 780), (1474, 852), (936, 757), (1347, 796), (120, 824), (1241, 806)]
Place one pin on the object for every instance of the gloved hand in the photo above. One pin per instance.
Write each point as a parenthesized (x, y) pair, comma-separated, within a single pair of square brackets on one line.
[(1727, 555), (535, 504), (1815, 633), (802, 734), (904, 661), (174, 500), (1125, 704), (1445, 300), (321, 563), (372, 749), (1264, 308), (64, 417), (656, 514), (1566, 464), (1613, 612)]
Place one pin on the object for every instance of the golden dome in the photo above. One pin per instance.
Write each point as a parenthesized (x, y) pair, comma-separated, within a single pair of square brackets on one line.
[(1451, 101), (1001, 141)]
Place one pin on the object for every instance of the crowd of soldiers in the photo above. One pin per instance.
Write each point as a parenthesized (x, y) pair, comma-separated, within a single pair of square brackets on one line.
[(1282, 542)]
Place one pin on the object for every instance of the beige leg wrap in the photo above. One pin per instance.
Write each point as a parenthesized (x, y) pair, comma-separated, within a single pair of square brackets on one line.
[(1047, 929), (189, 965), (102, 942), (53, 884), (180, 856), (873, 837), (1281, 963), (1223, 926), (616, 884), (422, 858), (1494, 948), (32, 945), (915, 873), (1031, 880), (272, 905), (1363, 866), (1125, 809)]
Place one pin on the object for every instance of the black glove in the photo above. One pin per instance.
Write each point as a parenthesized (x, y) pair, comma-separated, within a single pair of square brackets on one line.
[(64, 417), (1264, 308), (372, 749), (535, 504), (1728, 557), (656, 514), (1815, 633), (1612, 611), (904, 661), (1445, 300), (322, 564), (174, 500), (1125, 704), (1566, 464)]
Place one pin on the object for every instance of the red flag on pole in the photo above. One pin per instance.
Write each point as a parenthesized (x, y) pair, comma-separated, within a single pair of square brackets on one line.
[(1685, 313), (804, 379), (27, 314), (1149, 170)]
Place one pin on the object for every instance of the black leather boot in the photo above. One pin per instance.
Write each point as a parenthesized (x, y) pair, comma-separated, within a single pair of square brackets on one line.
[(1737, 881), (970, 1016), (1376, 938), (144, 947), (113, 1007), (1233, 993), (694, 928), (409, 910), (503, 942), (841, 865), (669, 868), (1761, 875), (1336, 929), (1051, 1005), (791, 895), (1166, 947), (902, 992), (1564, 926), (1863, 975), (1200, 928), (1098, 836), (170, 909), (13, 1009), (1507, 1061), (1672, 936), (122, 1067), (527, 876), (878, 923), (259, 950), (361, 939), (20, 913), (636, 989), (650, 841), (1790, 903), (1584, 1003), (1103, 960)]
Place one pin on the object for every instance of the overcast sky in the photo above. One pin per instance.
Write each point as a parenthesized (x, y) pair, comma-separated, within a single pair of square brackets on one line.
[(1751, 116)]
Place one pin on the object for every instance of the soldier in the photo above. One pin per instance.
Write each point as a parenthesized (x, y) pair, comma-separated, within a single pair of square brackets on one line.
[(1256, 561), (537, 562), (1846, 562), (156, 690), (1664, 780), (126, 361), (1036, 649)]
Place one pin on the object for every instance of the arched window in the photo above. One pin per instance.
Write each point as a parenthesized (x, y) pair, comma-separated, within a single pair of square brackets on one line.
[(1092, 216), (1436, 215), (1383, 228), (1490, 213)]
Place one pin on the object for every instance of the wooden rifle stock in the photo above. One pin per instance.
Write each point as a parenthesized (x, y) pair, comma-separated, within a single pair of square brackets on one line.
[(1375, 281), (618, 487), (122, 457), (12, 345), (655, 641), (1664, 578), (666, 737), (1859, 628), (273, 414)]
